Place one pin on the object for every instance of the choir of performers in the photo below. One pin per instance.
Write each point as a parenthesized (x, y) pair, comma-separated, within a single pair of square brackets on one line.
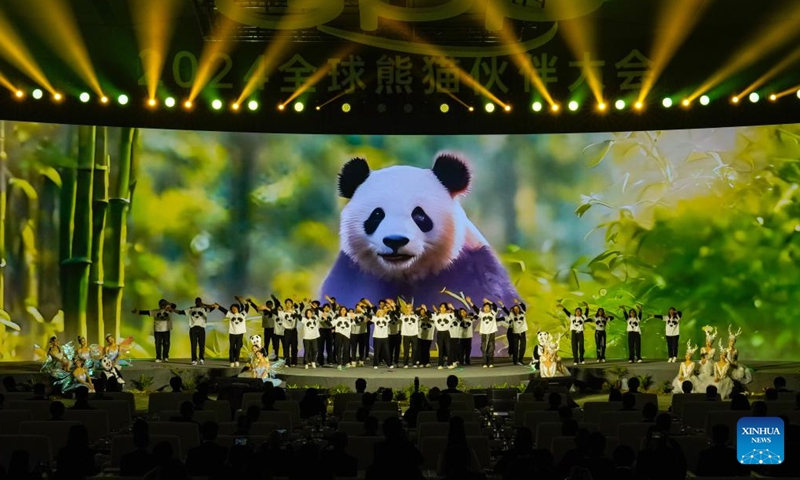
[(325, 342), (634, 329), (359, 334), (162, 326), (686, 372), (673, 330), (465, 348), (577, 324)]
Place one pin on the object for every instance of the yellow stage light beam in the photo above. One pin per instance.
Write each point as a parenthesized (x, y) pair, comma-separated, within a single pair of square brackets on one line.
[(333, 99), (209, 57), (770, 74), (788, 91), (777, 31), (316, 77), (675, 21), (59, 29), (6, 83), (14, 50), (580, 36), (154, 29)]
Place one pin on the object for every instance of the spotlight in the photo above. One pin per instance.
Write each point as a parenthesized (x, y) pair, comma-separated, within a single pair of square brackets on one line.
[(638, 105), (602, 106), (103, 99), (152, 103), (169, 102), (573, 105), (252, 105), (472, 109), (489, 107), (216, 104), (554, 107), (619, 104), (753, 97), (444, 108), (685, 102), (346, 107), (57, 97), (299, 107), (235, 106), (19, 94), (667, 102), (187, 104), (704, 100), (281, 107), (84, 97), (318, 108), (773, 97), (798, 93), (507, 108), (37, 94), (123, 99), (735, 99), (537, 106)]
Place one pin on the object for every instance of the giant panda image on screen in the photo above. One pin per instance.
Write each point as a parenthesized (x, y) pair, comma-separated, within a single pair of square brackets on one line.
[(404, 233)]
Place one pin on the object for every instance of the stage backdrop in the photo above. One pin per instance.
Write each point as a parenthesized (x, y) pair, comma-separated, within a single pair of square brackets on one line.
[(706, 221)]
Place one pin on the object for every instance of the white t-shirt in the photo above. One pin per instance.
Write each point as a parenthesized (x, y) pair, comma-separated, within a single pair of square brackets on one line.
[(311, 328), (342, 325), (288, 319), (425, 328), (673, 325), (600, 323), (466, 326), (442, 321), (455, 327), (237, 323), (518, 322), (409, 325), (198, 316), (488, 322), (381, 329), (162, 320), (634, 324), (576, 324)]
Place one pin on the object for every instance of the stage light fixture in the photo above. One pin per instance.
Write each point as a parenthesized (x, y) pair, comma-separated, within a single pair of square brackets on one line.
[(57, 97), (735, 99), (84, 97), (638, 105), (704, 100), (444, 108), (685, 102), (104, 99), (187, 104), (554, 107), (123, 99), (667, 102), (537, 106), (281, 106), (37, 94), (798, 93), (169, 102), (619, 104), (216, 104), (507, 108), (235, 106), (773, 97), (573, 106), (602, 106), (489, 107), (252, 105), (346, 107), (19, 94), (299, 107), (753, 97), (471, 109), (152, 103)]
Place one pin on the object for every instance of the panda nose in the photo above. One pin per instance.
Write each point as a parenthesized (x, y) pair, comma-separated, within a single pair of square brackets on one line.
[(395, 242)]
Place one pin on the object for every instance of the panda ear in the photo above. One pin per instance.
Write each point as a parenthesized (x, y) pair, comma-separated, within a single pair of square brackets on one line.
[(353, 174), (453, 172)]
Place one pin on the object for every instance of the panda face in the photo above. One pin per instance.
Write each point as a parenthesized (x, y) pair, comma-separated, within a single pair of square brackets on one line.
[(106, 364), (402, 221), (255, 340), (544, 338)]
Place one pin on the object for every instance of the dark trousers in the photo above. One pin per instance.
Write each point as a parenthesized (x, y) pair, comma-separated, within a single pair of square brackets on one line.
[(454, 350), (309, 351), (234, 346), (394, 348), (634, 346), (466, 350), (442, 345), (487, 348), (672, 345), (358, 347), (424, 351), (577, 346), (290, 346), (380, 351), (343, 349), (600, 342), (270, 337), (518, 341), (512, 340), (162, 345), (197, 338), (325, 346), (410, 346)]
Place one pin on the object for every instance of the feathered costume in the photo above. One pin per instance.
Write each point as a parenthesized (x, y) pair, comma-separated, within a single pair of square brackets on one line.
[(738, 372), (59, 366), (705, 376), (686, 371)]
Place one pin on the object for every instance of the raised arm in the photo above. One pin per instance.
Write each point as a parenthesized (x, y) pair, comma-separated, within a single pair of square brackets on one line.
[(222, 309), (141, 312), (278, 304)]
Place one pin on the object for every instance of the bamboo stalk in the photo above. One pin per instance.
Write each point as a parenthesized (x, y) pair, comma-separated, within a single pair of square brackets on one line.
[(3, 200), (99, 208)]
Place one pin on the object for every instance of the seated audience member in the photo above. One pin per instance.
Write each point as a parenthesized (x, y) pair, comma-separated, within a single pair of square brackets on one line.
[(208, 457), (268, 399), (100, 388), (615, 395), (719, 460), (624, 458), (417, 404), (76, 459), (81, 399), (771, 395), (574, 457), (538, 394), (198, 400), (243, 425), (340, 463), (371, 426), (628, 402), (10, 384), (791, 466), (633, 385), (569, 428), (167, 467), (203, 389), (739, 402), (387, 395), (554, 401), (597, 462), (280, 394), (253, 413), (759, 409), (711, 393), (564, 413), (443, 412), (361, 385), (186, 413), (395, 456), (433, 395), (312, 405), (452, 384), (457, 465), (275, 448), (780, 384), (19, 466), (57, 410), (649, 412), (687, 386), (518, 461), (39, 392), (662, 456), (457, 450), (140, 460), (176, 384)]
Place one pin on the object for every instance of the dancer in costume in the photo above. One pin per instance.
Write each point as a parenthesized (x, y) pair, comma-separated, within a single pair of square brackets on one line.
[(288, 316), (686, 371), (551, 364), (518, 326), (540, 349), (577, 322), (409, 331), (441, 321), (454, 349), (359, 333), (325, 341), (425, 339), (342, 325), (113, 352), (739, 373), (705, 376), (600, 321), (237, 327), (310, 338), (56, 365), (487, 328), (263, 370), (673, 330), (395, 327), (467, 321), (162, 326), (268, 316), (380, 339), (198, 317), (634, 327), (256, 345), (722, 371), (90, 354)]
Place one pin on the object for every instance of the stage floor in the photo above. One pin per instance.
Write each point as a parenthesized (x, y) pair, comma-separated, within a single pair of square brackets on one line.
[(591, 375)]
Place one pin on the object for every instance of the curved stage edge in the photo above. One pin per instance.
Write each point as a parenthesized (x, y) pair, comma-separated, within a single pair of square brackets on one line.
[(589, 377)]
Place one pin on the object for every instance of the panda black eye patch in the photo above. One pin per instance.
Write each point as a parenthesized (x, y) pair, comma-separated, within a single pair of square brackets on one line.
[(375, 219), (422, 219)]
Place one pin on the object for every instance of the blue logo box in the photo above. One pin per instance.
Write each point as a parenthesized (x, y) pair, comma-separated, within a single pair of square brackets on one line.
[(759, 441)]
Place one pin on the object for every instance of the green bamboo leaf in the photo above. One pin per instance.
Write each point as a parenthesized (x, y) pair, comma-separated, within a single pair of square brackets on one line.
[(34, 312), (582, 209), (597, 152), (26, 188), (51, 174), (5, 319), (58, 320)]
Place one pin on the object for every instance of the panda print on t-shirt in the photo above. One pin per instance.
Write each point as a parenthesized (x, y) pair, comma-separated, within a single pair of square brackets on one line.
[(633, 324), (425, 328), (237, 323), (577, 324), (673, 326), (381, 327)]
